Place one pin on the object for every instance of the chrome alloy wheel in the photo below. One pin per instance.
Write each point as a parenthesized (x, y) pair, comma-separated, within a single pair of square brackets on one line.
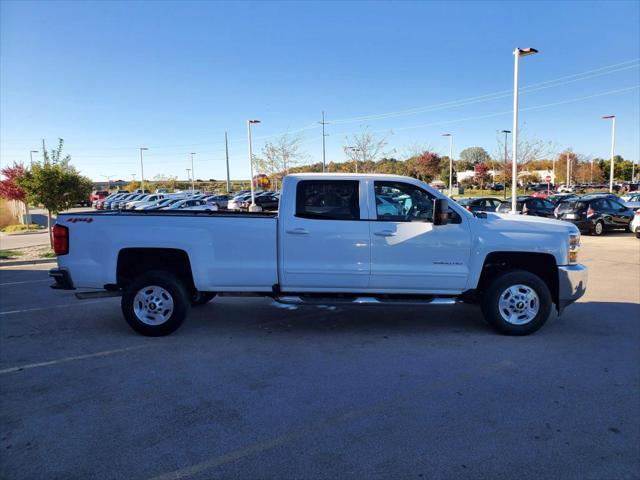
[(153, 305), (519, 304)]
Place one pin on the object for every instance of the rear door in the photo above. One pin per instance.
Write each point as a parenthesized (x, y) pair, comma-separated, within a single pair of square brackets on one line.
[(325, 237)]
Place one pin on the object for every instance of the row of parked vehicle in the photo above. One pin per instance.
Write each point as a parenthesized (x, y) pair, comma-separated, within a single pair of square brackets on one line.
[(594, 213), (197, 201)]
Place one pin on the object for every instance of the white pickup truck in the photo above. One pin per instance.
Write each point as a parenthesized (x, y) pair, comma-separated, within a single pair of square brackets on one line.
[(359, 239)]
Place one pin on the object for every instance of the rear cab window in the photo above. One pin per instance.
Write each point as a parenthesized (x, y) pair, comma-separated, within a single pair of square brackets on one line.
[(328, 199)]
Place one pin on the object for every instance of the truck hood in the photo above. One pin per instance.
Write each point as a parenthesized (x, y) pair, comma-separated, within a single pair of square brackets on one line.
[(508, 222)]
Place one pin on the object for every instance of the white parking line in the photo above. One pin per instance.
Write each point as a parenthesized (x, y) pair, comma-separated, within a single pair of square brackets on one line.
[(10, 312), (25, 281), (71, 359)]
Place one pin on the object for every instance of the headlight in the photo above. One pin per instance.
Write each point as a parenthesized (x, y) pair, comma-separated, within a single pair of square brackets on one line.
[(574, 247)]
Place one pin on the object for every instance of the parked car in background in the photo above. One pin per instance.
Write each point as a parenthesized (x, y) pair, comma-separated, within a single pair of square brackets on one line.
[(109, 201), (559, 197), (631, 200), (267, 202), (165, 202), (191, 204), (496, 187), (480, 204), (96, 196), (146, 200), (221, 200), (595, 214), (532, 206), (120, 203), (635, 223)]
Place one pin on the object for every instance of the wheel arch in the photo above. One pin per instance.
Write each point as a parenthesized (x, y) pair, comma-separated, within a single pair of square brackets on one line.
[(541, 264), (133, 262)]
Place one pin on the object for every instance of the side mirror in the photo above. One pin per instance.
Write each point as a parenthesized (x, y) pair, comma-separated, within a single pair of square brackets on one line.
[(440, 211)]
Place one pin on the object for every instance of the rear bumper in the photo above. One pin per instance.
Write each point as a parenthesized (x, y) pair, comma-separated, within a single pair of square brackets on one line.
[(583, 224), (62, 278), (572, 283)]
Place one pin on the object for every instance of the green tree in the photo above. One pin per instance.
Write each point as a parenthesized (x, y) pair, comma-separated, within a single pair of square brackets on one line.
[(55, 184), (475, 155)]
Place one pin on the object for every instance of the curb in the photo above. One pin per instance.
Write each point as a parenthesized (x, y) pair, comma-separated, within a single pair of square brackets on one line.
[(13, 263)]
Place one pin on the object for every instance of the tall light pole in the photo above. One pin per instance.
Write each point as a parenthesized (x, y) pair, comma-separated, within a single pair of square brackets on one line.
[(142, 168), (253, 207), (226, 152), (108, 177), (324, 154), (193, 175), (567, 153), (188, 170), (613, 147), (506, 132), (517, 53), (450, 161), (31, 155)]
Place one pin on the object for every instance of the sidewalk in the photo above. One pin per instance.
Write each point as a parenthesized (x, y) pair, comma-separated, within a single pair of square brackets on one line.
[(19, 240)]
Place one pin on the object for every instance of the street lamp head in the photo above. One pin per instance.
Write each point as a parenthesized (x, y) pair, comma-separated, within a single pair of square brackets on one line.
[(608, 117), (523, 52), (254, 121), (192, 153), (34, 151), (506, 131), (144, 148), (446, 135)]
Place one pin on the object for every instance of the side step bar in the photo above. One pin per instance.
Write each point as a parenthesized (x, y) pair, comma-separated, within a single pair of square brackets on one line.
[(303, 300)]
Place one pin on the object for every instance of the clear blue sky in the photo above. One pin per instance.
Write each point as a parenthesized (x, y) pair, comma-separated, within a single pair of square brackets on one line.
[(173, 76)]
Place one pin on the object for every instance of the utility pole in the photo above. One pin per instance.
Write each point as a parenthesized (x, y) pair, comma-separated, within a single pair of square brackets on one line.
[(568, 169), (142, 169), (31, 155), (226, 151), (44, 152), (193, 175), (324, 155), (253, 207), (450, 161), (613, 147)]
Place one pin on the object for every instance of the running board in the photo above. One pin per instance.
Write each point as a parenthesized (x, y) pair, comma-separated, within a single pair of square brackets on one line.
[(98, 294), (299, 300)]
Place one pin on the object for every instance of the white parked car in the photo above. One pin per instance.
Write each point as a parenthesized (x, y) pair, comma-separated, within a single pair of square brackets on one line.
[(631, 200), (328, 243), (192, 204), (634, 226), (146, 200)]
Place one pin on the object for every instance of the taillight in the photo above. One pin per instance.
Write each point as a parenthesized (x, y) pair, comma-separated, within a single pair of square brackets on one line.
[(468, 208), (555, 211), (524, 209), (60, 240), (590, 212), (638, 212)]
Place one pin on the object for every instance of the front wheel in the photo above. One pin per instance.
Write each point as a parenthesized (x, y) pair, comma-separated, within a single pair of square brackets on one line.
[(155, 303), (517, 303)]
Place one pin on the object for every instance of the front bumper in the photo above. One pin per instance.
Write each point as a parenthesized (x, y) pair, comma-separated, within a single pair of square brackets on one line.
[(572, 283), (62, 278)]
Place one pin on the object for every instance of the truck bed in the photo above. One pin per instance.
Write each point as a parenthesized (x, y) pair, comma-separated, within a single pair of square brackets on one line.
[(242, 258)]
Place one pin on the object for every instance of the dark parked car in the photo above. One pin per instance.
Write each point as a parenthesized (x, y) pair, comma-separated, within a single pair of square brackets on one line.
[(480, 204), (595, 214), (536, 207), (561, 197), (496, 187), (267, 202)]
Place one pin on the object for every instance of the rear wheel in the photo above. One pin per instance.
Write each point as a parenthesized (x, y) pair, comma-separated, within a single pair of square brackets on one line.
[(517, 303), (155, 303), (598, 228)]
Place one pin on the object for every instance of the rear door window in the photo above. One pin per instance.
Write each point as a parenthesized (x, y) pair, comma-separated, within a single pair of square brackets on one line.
[(328, 199)]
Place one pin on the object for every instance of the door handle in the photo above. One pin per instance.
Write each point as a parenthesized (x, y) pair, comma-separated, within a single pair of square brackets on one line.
[(385, 233), (298, 231)]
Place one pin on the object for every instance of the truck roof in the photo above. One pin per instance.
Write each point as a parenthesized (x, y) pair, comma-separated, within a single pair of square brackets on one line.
[(349, 175)]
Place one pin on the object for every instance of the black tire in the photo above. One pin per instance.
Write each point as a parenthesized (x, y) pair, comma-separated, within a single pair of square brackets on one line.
[(598, 228), (202, 298), (490, 302), (637, 233), (173, 288)]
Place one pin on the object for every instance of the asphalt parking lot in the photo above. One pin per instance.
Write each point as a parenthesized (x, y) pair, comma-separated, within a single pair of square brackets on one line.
[(249, 390)]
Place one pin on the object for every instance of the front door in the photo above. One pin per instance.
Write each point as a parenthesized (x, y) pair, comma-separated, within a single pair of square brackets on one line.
[(408, 253), (325, 237)]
